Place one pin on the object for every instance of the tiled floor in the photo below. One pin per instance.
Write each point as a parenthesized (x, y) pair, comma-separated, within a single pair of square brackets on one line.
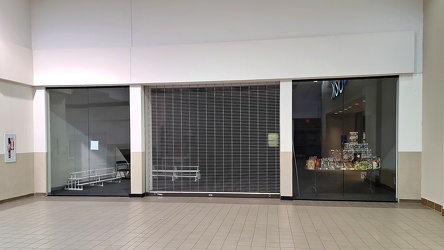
[(215, 223)]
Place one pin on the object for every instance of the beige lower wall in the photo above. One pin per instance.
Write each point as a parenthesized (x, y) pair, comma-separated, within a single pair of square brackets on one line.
[(137, 173), (40, 172), (286, 179), (17, 178), (409, 175)]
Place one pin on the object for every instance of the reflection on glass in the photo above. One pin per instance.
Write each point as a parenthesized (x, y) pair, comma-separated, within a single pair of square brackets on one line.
[(345, 139), (89, 136)]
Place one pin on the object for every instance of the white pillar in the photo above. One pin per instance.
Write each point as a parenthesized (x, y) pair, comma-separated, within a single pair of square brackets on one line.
[(286, 139), (137, 135), (410, 136), (40, 141)]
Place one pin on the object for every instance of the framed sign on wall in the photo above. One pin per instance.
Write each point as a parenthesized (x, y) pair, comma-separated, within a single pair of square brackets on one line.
[(10, 148)]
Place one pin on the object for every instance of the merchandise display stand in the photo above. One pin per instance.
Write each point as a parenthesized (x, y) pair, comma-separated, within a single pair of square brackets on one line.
[(353, 156), (370, 175)]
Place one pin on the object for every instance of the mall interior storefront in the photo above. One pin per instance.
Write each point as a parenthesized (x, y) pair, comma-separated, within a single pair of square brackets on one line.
[(225, 140)]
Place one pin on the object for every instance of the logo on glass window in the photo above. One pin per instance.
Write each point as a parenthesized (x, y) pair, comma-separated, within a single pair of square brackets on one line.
[(337, 88)]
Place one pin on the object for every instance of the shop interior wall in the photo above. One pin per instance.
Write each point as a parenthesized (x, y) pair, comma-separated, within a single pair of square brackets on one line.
[(433, 93), (16, 179)]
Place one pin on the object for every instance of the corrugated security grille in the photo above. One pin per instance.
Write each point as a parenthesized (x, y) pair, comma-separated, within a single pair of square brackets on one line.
[(215, 139)]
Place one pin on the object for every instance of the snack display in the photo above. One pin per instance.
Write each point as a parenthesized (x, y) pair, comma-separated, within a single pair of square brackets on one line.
[(353, 136), (311, 163), (354, 156)]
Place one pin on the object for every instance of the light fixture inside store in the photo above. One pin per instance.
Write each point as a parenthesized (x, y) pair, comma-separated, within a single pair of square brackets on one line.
[(363, 100), (349, 107), (336, 113), (345, 109), (357, 103), (340, 111)]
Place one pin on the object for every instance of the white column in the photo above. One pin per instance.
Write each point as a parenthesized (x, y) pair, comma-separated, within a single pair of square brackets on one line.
[(137, 135), (410, 122), (286, 139), (410, 113), (40, 141)]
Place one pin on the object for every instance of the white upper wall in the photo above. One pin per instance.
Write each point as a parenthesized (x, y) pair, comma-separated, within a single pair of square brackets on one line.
[(15, 41), (197, 21), (298, 58), (15, 22), (68, 24), (74, 24)]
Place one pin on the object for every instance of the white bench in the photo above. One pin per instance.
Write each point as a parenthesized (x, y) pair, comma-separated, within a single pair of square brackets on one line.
[(92, 177), (176, 172)]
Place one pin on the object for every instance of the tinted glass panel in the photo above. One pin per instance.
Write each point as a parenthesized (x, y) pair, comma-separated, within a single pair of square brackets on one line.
[(345, 139)]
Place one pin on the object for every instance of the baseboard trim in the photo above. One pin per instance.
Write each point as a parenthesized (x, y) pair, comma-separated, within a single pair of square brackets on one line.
[(223, 195), (137, 195), (432, 205), (286, 198), (40, 194), (409, 201), (17, 198)]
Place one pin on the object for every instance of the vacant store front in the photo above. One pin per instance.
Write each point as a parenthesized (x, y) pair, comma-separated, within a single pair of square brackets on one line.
[(213, 140), (344, 139), (89, 141)]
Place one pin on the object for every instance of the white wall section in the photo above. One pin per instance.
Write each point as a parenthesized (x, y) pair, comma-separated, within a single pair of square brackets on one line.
[(15, 41), (16, 110), (410, 113), (15, 22), (39, 116), (222, 41), (40, 139), (199, 21), (286, 138), (137, 137), (15, 63), (335, 56), (82, 67), (432, 161), (67, 24)]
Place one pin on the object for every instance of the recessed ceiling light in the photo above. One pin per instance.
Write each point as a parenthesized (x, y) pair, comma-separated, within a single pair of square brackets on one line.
[(340, 111), (345, 109), (363, 100), (315, 81), (336, 113), (349, 107), (357, 104)]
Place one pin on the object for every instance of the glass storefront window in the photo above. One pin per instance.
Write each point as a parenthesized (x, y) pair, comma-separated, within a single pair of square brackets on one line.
[(89, 141), (344, 138)]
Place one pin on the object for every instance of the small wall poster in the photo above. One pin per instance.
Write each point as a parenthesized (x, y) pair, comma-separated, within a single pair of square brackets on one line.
[(10, 148), (273, 140)]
